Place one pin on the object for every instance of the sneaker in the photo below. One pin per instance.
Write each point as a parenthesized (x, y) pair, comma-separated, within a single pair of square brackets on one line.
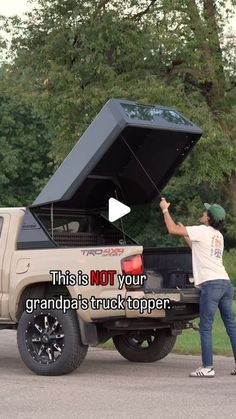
[(203, 372), (233, 372)]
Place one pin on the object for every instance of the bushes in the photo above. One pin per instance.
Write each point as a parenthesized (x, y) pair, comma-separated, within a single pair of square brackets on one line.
[(230, 264)]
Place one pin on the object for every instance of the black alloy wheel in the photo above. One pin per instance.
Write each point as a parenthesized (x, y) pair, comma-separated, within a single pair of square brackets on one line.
[(49, 341)]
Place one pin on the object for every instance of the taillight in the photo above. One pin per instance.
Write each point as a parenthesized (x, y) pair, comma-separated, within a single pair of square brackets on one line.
[(132, 265)]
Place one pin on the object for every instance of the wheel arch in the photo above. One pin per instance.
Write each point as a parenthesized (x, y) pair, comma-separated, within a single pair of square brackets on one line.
[(88, 331), (38, 290)]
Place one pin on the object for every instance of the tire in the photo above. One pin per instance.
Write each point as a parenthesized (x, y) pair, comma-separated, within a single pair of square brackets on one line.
[(145, 345), (49, 342)]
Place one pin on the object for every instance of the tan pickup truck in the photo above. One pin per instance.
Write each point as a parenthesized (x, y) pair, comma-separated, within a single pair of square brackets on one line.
[(62, 262)]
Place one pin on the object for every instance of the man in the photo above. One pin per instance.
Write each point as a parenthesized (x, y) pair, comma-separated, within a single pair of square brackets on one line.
[(216, 290)]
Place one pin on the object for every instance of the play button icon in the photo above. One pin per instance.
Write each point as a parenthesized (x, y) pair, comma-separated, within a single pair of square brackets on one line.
[(116, 209)]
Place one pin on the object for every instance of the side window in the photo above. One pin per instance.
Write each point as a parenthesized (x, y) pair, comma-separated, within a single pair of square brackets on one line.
[(1, 224), (68, 227)]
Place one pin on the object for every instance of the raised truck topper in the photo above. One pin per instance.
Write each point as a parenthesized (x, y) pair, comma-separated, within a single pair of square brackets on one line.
[(129, 152)]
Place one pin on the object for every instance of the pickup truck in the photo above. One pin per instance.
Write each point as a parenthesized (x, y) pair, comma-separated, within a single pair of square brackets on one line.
[(129, 152)]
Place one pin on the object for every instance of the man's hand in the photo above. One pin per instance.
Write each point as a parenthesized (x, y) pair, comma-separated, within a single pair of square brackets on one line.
[(164, 204)]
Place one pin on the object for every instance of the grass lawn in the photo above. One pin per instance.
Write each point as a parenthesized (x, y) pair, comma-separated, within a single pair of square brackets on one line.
[(189, 342)]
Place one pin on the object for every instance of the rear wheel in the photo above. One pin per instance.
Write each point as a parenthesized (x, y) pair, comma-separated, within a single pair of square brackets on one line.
[(49, 342), (145, 345)]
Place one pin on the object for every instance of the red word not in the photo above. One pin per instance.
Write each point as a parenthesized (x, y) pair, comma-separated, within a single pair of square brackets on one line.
[(102, 277)]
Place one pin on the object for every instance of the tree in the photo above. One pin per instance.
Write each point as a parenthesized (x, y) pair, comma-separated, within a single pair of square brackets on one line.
[(191, 35), (24, 143), (71, 56)]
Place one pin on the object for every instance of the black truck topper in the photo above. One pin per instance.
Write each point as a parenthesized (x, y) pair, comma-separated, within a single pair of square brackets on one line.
[(109, 160)]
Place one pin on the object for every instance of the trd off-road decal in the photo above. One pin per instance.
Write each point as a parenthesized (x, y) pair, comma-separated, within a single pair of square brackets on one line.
[(110, 251)]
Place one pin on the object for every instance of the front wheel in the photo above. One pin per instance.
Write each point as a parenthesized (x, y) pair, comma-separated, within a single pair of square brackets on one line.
[(49, 342), (145, 345)]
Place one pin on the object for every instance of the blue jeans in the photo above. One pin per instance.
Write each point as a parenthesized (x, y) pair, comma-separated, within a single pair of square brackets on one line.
[(216, 294)]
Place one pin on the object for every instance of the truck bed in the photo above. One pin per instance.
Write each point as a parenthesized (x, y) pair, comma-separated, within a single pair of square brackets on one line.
[(168, 268)]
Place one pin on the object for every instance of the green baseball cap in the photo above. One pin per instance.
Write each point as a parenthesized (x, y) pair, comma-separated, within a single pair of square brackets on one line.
[(216, 210)]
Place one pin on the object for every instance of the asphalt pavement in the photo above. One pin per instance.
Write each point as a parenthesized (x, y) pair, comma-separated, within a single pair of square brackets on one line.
[(108, 386)]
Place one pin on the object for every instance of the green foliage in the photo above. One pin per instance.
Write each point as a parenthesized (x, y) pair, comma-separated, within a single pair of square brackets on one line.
[(230, 264), (71, 56), (24, 143)]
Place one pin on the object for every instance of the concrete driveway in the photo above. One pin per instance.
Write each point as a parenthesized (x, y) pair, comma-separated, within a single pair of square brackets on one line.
[(107, 386)]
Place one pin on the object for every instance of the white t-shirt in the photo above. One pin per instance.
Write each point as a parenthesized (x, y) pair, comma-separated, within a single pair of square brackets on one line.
[(207, 252)]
